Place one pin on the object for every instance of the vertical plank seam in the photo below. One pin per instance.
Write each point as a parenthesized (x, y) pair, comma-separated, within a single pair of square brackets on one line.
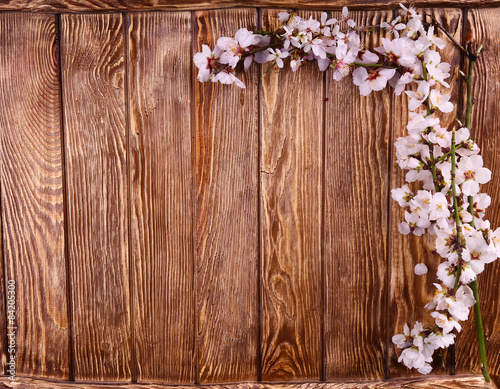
[(390, 224), (259, 215), (460, 114), (65, 204), (322, 235), (133, 355), (71, 351), (460, 103), (389, 243), (196, 345)]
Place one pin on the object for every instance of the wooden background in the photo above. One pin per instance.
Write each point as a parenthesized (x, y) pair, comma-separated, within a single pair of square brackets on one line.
[(163, 230)]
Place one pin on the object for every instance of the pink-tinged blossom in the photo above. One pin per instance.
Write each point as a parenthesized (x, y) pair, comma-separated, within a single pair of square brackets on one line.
[(439, 207), (343, 61), (260, 56), (436, 69), (399, 82), (440, 136), (478, 249), (287, 36), (402, 195), (346, 18), (419, 123), (398, 51), (439, 101), (394, 26), (277, 56), (446, 274), (421, 175), (414, 24), (433, 39), (471, 173), (206, 61), (315, 46), (414, 223), (403, 340), (420, 204), (442, 340), (371, 80), (417, 98), (227, 77), (495, 240), (324, 21), (446, 323), (233, 48), (367, 57)]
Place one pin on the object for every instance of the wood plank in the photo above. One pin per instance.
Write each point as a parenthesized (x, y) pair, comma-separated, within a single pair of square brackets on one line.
[(356, 199), (161, 230), (291, 188), (76, 6), (4, 355), (226, 174), (483, 25), (456, 382), (92, 50), (409, 293), (31, 174)]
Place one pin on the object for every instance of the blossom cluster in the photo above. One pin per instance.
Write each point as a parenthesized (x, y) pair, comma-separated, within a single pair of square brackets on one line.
[(444, 169)]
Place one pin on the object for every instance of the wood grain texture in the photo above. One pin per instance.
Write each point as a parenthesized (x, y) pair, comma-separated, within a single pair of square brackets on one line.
[(161, 233), (483, 25), (409, 293), (75, 6), (3, 323), (31, 175), (291, 193), (226, 174), (94, 122), (356, 198), (456, 382)]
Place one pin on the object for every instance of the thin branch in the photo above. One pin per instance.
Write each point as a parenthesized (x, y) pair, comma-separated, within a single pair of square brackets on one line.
[(440, 26)]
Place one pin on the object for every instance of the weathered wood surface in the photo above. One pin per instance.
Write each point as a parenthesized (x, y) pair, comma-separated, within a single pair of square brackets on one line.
[(31, 175), (356, 219), (457, 382), (291, 193), (213, 237), (75, 6), (93, 75), (483, 25), (160, 184), (3, 314), (227, 220), (409, 293)]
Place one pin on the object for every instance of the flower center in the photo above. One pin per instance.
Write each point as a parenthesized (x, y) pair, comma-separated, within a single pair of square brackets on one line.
[(469, 174)]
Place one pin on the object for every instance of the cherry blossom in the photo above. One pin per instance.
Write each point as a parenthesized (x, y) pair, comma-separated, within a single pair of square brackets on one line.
[(443, 169)]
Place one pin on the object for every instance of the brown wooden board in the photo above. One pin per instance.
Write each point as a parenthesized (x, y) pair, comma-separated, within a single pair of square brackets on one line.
[(226, 174), (483, 26), (409, 293), (291, 193), (31, 174), (148, 5), (160, 158), (4, 357), (456, 382), (93, 73), (356, 198)]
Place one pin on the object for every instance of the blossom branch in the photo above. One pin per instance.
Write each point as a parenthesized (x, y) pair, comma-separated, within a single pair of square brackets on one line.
[(474, 285), (446, 164)]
